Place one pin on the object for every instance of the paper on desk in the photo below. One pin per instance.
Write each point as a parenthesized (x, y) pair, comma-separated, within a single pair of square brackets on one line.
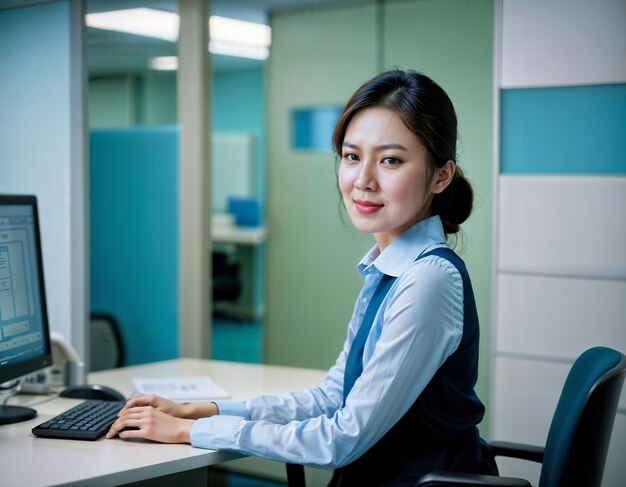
[(180, 389)]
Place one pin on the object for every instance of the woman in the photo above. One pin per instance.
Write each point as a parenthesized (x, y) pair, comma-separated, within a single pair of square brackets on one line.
[(399, 401)]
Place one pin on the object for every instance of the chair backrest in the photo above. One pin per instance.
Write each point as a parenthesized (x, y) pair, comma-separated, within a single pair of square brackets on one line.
[(578, 440), (107, 347)]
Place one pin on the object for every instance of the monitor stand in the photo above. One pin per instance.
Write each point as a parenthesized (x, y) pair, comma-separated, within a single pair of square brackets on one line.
[(15, 414)]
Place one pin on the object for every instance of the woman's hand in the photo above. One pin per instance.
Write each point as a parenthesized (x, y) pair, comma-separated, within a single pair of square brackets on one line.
[(158, 403), (152, 424), (185, 411)]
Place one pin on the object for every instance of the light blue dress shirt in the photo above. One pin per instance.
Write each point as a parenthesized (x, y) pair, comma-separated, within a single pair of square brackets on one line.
[(418, 326)]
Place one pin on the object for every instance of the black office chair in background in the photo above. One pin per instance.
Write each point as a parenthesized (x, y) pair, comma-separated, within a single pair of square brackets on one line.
[(226, 279), (106, 345), (578, 440)]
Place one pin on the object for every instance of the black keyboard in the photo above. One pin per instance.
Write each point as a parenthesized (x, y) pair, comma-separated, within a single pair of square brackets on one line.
[(88, 420)]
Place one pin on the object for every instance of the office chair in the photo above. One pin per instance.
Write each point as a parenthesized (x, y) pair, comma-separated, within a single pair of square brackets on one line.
[(578, 439), (226, 279), (107, 347)]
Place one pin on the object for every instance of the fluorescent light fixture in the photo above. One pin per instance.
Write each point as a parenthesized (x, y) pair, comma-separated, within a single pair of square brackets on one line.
[(163, 63), (228, 36), (146, 22), (231, 31), (239, 50)]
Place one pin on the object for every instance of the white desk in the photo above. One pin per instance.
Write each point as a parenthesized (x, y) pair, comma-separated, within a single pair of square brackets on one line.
[(29, 461), (238, 235)]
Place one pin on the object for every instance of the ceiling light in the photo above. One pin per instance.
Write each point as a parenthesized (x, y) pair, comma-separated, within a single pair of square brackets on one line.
[(232, 31), (146, 22), (163, 63), (230, 37)]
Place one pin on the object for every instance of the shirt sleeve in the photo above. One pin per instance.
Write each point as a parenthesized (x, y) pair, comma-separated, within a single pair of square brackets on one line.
[(322, 400), (223, 431), (233, 408), (418, 326)]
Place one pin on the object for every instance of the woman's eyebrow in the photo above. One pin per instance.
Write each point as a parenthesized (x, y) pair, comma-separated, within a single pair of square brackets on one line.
[(391, 146), (349, 145)]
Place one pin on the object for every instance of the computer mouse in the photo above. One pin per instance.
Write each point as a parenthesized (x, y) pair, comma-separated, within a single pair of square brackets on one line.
[(92, 391)]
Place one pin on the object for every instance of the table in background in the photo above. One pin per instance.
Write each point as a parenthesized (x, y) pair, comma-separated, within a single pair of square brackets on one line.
[(245, 244), (239, 235)]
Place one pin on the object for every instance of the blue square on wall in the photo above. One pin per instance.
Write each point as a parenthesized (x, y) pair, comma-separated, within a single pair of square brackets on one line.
[(312, 128)]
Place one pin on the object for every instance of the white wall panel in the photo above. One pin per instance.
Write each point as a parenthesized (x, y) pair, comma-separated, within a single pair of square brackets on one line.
[(563, 42), (564, 225), (520, 383), (559, 317)]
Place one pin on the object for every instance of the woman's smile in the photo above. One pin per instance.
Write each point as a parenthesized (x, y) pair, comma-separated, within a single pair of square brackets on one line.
[(367, 207)]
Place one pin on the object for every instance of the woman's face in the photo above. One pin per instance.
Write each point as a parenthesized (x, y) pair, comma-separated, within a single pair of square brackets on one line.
[(383, 175)]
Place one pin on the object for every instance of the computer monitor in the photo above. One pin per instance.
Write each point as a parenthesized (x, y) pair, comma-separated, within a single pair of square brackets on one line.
[(24, 331)]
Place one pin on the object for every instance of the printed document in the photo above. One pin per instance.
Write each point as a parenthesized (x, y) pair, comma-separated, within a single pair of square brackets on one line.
[(181, 389)]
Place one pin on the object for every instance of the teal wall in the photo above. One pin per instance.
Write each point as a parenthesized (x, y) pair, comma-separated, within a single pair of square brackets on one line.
[(319, 57), (134, 236)]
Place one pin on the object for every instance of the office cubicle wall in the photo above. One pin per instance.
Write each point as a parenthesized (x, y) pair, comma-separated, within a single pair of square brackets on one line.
[(134, 236), (43, 144), (560, 270)]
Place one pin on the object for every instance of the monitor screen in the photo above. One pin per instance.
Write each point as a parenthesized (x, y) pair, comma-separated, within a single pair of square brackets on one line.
[(24, 333)]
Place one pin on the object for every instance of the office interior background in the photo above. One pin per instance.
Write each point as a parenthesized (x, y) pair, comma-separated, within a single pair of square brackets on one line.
[(540, 92)]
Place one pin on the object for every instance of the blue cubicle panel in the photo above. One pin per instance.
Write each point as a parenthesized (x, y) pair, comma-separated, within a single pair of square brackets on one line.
[(565, 130), (134, 236)]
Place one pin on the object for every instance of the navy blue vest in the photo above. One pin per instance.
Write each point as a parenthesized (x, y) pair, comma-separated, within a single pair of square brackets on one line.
[(439, 431)]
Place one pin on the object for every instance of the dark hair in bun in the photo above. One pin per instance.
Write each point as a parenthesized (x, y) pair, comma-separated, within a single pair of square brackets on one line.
[(426, 110)]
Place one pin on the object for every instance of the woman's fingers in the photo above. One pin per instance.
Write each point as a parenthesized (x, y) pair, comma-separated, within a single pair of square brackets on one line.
[(127, 418), (134, 410), (140, 400), (147, 422), (156, 402)]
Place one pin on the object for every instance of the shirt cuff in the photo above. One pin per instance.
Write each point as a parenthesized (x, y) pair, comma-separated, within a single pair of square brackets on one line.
[(233, 408), (216, 432)]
